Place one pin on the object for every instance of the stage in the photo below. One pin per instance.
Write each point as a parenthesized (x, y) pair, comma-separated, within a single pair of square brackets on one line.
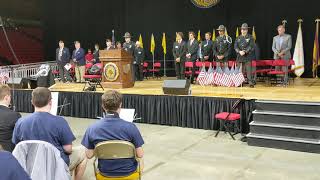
[(299, 90), (193, 111)]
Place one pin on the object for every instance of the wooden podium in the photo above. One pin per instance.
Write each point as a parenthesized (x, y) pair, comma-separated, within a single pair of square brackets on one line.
[(117, 69)]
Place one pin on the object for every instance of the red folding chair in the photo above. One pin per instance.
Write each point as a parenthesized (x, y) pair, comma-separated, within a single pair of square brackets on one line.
[(274, 73), (145, 70), (93, 80), (199, 65), (188, 69), (229, 120), (156, 69)]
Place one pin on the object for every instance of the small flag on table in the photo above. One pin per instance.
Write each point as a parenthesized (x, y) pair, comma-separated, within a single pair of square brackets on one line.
[(218, 76), (227, 78), (210, 76), (238, 77), (202, 77)]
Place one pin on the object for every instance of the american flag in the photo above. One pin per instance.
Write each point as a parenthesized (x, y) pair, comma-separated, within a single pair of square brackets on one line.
[(238, 77), (210, 76), (4, 76), (218, 76), (226, 78), (202, 77)]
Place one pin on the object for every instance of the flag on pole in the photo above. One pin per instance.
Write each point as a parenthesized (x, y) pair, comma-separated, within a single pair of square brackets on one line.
[(237, 32), (164, 43), (226, 32), (140, 40), (202, 76), (199, 36), (210, 76), (213, 35), (316, 51), (226, 78), (153, 44), (254, 34), (298, 55), (218, 76), (238, 77)]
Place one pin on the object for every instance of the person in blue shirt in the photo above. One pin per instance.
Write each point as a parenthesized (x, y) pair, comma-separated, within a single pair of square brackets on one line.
[(112, 127), (10, 167), (78, 57), (43, 126)]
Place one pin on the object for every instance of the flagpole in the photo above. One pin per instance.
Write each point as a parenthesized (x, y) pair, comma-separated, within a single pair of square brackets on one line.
[(164, 65), (316, 65), (153, 64)]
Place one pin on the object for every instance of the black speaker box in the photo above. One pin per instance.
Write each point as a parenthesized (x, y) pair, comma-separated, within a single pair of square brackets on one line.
[(176, 87)]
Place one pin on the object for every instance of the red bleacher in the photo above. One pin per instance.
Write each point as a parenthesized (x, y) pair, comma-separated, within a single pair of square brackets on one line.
[(27, 49)]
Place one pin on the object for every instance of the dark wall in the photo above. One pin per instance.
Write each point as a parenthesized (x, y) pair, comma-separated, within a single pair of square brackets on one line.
[(92, 21), (21, 9)]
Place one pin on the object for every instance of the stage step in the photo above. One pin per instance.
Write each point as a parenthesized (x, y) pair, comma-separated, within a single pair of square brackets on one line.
[(286, 125), (288, 106), (284, 142), (290, 130), (306, 119)]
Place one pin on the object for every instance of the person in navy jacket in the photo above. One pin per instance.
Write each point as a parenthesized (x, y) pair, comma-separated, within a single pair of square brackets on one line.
[(78, 57), (62, 58)]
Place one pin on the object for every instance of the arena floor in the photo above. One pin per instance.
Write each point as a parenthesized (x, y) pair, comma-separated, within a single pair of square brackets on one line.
[(174, 153)]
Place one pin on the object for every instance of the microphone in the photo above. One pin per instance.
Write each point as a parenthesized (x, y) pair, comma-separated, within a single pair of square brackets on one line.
[(113, 39)]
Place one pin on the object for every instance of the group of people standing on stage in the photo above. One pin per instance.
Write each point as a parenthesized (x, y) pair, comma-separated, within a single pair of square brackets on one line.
[(221, 49), (79, 58)]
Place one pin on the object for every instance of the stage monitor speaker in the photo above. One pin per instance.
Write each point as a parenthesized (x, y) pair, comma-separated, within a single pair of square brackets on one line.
[(19, 83), (177, 87)]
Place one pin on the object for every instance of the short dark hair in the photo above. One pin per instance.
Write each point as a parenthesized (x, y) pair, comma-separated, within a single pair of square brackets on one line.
[(108, 40), (191, 32), (41, 97), (96, 45), (75, 42), (118, 42), (180, 34), (111, 101), (208, 33), (61, 41), (4, 91)]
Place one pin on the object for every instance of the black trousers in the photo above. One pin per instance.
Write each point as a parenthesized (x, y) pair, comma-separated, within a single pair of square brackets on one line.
[(247, 66), (179, 66), (138, 72), (63, 73)]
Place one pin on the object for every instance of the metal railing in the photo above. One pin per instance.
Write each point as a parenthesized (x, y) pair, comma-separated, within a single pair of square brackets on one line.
[(23, 70)]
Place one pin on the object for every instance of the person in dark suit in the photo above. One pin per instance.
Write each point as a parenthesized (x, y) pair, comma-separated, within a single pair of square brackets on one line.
[(8, 119), (62, 58), (138, 61), (244, 47), (222, 47), (206, 48), (192, 50), (96, 54), (128, 45), (179, 54), (78, 58)]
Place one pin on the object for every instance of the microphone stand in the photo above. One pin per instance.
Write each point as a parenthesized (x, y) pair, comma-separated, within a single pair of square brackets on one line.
[(63, 105)]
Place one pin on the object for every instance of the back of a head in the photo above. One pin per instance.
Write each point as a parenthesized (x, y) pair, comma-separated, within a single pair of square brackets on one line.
[(41, 97), (111, 101), (4, 91)]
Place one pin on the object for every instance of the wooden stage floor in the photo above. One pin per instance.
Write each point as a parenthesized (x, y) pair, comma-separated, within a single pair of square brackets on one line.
[(300, 90)]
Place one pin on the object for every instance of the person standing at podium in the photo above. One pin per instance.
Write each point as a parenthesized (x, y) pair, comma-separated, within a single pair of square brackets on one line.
[(118, 45), (128, 45), (80, 62), (138, 61), (109, 45), (179, 53)]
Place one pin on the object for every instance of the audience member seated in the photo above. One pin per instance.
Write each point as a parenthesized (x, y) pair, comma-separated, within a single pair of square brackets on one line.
[(112, 127), (89, 57), (8, 119), (43, 126), (10, 167)]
